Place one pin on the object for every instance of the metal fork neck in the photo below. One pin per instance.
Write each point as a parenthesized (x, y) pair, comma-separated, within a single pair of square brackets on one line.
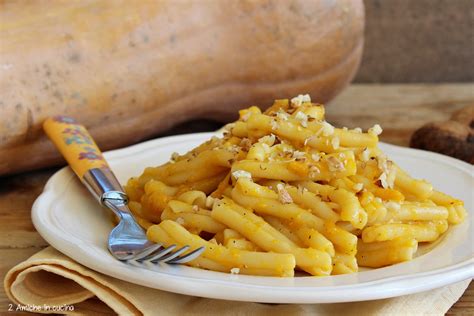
[(104, 186)]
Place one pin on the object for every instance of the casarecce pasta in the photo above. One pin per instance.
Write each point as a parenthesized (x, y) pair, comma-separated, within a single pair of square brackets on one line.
[(283, 191)]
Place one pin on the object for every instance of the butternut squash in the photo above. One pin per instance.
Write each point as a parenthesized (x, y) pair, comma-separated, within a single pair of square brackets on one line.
[(128, 69)]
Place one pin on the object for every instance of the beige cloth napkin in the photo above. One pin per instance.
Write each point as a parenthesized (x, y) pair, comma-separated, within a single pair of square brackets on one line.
[(49, 279)]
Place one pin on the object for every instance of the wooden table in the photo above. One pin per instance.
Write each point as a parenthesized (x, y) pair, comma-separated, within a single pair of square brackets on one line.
[(400, 109)]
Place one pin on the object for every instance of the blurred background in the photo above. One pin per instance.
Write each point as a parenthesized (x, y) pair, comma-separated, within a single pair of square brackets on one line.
[(188, 66), (418, 41), (406, 41)]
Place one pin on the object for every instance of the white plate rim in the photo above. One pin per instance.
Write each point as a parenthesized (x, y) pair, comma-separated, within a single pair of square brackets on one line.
[(378, 289)]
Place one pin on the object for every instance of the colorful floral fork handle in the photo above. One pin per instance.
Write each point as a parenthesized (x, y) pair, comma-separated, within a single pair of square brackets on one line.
[(84, 157), (74, 143)]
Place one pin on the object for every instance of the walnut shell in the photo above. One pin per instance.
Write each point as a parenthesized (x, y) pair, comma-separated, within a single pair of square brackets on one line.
[(454, 137)]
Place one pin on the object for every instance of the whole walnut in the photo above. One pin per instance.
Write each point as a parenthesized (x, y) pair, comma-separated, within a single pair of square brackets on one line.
[(454, 137)]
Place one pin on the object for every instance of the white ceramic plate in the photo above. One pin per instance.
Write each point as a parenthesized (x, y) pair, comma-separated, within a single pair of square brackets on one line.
[(72, 222)]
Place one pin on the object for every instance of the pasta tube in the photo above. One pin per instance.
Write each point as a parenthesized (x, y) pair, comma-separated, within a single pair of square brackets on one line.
[(282, 264)]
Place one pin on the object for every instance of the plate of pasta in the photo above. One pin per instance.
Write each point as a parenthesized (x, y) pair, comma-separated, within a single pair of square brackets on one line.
[(289, 208)]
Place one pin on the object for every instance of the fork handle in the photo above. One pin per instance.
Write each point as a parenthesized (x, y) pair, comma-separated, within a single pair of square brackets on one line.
[(75, 144), (84, 157)]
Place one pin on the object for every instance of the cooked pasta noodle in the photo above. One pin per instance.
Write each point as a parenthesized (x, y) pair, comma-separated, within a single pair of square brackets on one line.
[(284, 190)]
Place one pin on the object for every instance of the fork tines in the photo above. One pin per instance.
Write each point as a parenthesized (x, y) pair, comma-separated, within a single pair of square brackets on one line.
[(158, 253)]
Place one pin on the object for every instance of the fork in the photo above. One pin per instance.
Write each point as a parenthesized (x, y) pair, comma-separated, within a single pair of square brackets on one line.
[(127, 241)]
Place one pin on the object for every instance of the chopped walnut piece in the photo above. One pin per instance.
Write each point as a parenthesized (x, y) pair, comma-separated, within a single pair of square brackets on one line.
[(233, 149), (229, 127), (335, 142), (245, 143), (210, 202), (282, 115), (274, 125), (358, 187), (382, 162), (287, 152), (327, 129), (383, 180), (302, 118), (234, 271), (391, 178), (302, 189), (375, 130), (387, 178), (313, 171), (335, 164), (174, 156), (268, 139), (315, 157), (241, 174), (365, 155), (283, 195), (298, 155), (300, 99), (307, 140)]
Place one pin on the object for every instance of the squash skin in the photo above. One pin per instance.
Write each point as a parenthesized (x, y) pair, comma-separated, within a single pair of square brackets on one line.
[(130, 69)]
